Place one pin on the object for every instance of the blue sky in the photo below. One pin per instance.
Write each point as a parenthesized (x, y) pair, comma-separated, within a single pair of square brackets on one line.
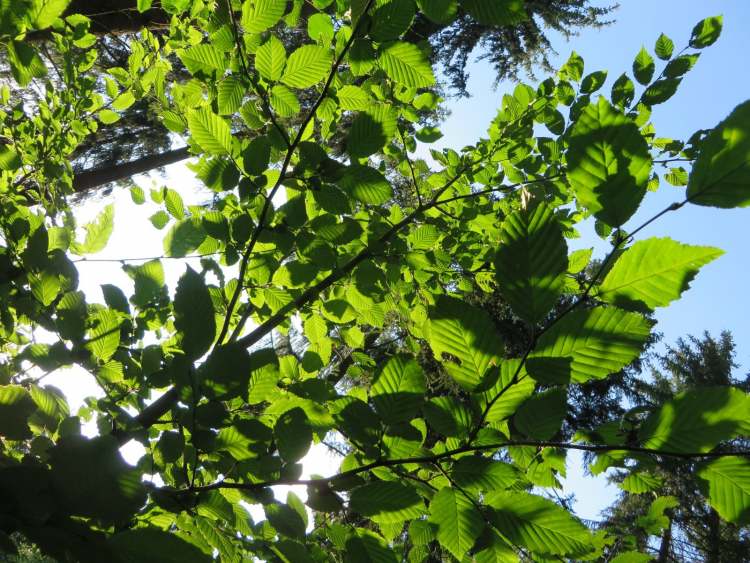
[(718, 299)]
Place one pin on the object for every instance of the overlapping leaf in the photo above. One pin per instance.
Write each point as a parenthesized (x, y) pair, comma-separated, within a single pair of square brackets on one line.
[(531, 262), (538, 524), (608, 163), (465, 339), (588, 344)]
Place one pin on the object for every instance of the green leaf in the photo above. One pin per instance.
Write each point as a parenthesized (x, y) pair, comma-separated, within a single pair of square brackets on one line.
[(103, 336), (160, 219), (464, 339), (721, 174), (231, 90), (43, 13), (173, 203), (259, 15), (194, 314), (45, 287), (660, 91), (320, 29), (285, 520), (643, 66), (284, 101), (439, 11), (538, 524), (9, 159), (307, 66), (572, 69), (496, 12), (681, 65), (270, 59), (458, 521), (592, 82), (151, 545), (531, 262), (653, 273), (542, 415), (406, 64), (90, 478), (623, 91), (123, 101), (664, 47), (226, 372), (364, 546), (398, 390), (391, 19), (97, 232), (25, 62), (353, 97), (640, 482), (726, 483), (386, 502), (590, 344), (476, 473), (697, 420), (203, 59), (366, 184), (108, 117), (706, 32), (608, 163), (210, 131), (293, 435), (16, 406), (654, 521), (507, 394), (143, 5)]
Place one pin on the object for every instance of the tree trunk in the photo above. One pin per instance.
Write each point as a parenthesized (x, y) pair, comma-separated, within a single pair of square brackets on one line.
[(666, 544), (714, 538), (96, 177)]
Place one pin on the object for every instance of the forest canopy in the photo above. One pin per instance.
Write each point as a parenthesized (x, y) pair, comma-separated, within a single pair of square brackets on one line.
[(417, 311)]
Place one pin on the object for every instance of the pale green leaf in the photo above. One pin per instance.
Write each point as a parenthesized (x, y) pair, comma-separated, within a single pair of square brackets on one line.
[(270, 59), (284, 101), (406, 64), (210, 131), (458, 521), (307, 66), (654, 272), (726, 483), (203, 59), (259, 15)]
